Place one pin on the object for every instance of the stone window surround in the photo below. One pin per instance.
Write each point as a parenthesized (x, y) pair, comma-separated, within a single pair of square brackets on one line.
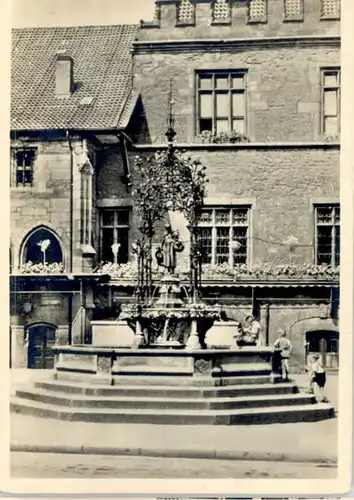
[(15, 167), (323, 71), (215, 71), (31, 233), (319, 203), (18, 245), (213, 224), (105, 207)]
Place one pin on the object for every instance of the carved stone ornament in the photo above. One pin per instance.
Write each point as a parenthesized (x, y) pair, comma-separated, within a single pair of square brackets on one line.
[(83, 161)]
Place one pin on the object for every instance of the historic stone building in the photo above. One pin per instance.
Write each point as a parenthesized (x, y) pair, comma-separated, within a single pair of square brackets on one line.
[(256, 97)]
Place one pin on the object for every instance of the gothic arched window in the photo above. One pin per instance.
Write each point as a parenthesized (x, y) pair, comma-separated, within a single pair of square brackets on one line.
[(42, 247)]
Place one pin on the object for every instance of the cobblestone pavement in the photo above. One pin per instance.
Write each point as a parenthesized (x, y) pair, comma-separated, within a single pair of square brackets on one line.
[(48, 466)]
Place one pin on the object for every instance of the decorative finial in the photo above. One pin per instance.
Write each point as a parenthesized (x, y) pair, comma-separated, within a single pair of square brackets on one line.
[(171, 133)]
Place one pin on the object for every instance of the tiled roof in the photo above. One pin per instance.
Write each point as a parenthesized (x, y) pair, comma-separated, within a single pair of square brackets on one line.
[(102, 70)]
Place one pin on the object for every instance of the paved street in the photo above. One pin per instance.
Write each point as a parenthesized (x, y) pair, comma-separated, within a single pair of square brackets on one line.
[(45, 465)]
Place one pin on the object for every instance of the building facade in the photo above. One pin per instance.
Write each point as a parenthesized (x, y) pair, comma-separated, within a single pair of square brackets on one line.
[(256, 97)]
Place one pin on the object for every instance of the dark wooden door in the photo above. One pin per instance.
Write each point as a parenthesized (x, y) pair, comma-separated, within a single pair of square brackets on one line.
[(41, 338), (326, 344)]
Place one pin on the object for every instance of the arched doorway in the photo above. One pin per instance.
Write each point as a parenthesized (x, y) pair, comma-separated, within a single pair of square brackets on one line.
[(41, 338), (326, 344), (42, 246)]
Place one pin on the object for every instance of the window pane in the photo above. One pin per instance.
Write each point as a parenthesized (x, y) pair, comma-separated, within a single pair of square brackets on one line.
[(331, 80), (122, 238), (238, 105), (239, 234), (337, 215), (238, 126), (222, 105), (222, 126), (19, 177), (27, 177), (337, 246), (330, 103), (324, 245), (331, 125), (222, 216), (207, 217), (205, 124), (205, 82), (37, 253), (28, 158), (237, 82), (324, 215), (205, 241), (107, 242), (206, 106), (108, 218), (240, 216), (222, 245), (222, 82), (20, 158), (123, 217)]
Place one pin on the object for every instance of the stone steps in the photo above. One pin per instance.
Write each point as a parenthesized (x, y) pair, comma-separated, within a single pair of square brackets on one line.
[(244, 416), (159, 403), (172, 380), (167, 391)]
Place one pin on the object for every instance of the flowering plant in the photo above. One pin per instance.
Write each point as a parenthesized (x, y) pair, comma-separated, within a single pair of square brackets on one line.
[(115, 271), (240, 271), (39, 268), (210, 137)]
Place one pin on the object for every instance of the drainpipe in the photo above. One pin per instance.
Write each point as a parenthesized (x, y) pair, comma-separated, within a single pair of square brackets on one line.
[(266, 321), (71, 236)]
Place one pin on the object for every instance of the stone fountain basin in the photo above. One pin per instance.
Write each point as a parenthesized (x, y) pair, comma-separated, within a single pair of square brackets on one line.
[(110, 361)]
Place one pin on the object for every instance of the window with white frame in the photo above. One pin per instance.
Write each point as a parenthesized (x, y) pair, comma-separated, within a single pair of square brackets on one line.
[(328, 235), (223, 235), (331, 101), (23, 163), (221, 101), (115, 231)]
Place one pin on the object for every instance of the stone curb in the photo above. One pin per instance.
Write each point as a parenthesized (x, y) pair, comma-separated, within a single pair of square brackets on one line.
[(175, 453)]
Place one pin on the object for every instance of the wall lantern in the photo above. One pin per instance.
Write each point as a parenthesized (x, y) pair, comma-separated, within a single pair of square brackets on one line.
[(27, 305)]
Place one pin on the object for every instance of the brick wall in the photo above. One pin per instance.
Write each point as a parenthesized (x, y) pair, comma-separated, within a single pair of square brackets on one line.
[(283, 89)]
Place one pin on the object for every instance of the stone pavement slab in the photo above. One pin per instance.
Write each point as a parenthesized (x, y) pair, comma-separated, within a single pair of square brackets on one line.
[(301, 442)]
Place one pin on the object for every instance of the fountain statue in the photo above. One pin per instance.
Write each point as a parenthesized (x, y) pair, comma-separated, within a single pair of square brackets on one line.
[(166, 253)]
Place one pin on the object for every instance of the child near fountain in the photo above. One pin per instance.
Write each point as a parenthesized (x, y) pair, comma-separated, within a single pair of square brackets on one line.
[(317, 378), (285, 346)]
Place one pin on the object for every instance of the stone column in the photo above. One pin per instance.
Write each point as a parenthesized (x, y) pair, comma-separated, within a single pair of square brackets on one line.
[(19, 347)]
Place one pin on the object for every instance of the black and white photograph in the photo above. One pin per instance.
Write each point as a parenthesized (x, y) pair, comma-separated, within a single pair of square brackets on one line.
[(177, 245)]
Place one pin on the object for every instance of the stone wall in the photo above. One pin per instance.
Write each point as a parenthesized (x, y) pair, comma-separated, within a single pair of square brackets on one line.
[(281, 185), (275, 24), (283, 91), (47, 202)]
